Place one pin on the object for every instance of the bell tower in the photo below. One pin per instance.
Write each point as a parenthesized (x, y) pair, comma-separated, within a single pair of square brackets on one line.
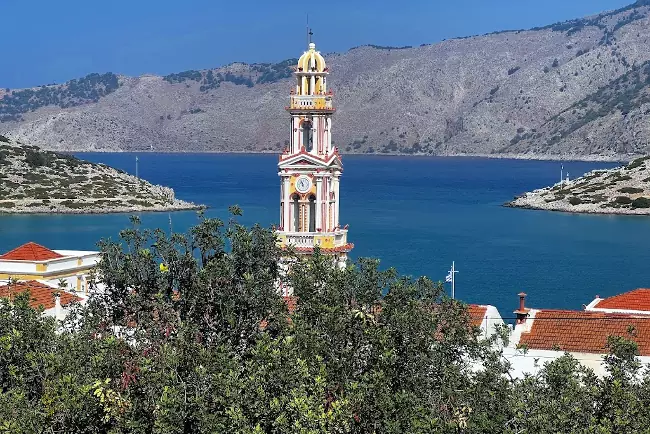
[(310, 168)]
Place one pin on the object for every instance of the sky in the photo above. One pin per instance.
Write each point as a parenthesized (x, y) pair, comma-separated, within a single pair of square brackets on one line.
[(46, 41)]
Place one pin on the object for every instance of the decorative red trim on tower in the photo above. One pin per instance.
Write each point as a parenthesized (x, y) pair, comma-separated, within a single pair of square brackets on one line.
[(341, 249)]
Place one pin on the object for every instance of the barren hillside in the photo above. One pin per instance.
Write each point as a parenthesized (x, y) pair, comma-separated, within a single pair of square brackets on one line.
[(505, 93)]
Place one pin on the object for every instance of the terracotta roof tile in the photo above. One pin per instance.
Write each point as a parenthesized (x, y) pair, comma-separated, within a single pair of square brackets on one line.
[(40, 293), (291, 302), (31, 252), (639, 299), (585, 331), (476, 314)]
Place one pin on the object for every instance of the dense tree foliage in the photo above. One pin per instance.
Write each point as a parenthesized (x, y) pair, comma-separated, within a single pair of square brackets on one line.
[(190, 335), (73, 93), (260, 73)]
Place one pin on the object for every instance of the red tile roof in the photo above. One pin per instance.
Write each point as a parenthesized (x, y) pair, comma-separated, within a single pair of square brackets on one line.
[(291, 302), (585, 331), (41, 295), (31, 252), (639, 299), (476, 314)]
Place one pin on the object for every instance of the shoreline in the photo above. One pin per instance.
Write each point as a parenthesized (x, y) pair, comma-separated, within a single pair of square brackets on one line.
[(531, 157), (94, 211), (638, 212)]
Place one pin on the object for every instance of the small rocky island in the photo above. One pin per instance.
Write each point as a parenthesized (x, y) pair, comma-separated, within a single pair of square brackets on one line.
[(623, 190), (36, 181)]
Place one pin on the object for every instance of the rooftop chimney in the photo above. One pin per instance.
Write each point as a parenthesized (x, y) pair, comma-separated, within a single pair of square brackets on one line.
[(522, 312)]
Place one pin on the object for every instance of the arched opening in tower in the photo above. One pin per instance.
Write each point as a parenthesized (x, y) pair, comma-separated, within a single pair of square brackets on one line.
[(307, 136), (312, 213)]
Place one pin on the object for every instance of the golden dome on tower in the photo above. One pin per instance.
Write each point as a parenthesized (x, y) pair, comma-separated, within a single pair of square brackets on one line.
[(311, 60)]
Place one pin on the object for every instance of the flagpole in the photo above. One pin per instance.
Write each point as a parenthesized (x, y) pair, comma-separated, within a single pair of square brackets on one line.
[(453, 280)]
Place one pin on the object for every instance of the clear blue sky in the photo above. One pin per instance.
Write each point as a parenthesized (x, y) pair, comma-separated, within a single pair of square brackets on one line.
[(45, 41)]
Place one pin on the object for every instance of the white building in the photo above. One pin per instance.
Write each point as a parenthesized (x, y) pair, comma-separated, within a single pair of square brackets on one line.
[(543, 335), (32, 261)]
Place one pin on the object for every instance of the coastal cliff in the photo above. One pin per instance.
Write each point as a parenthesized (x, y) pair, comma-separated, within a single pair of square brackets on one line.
[(36, 181), (622, 190)]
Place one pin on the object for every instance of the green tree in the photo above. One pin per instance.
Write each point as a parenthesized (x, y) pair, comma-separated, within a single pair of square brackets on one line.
[(189, 334)]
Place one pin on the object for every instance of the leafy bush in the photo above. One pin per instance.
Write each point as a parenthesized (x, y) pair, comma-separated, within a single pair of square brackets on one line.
[(3, 139), (35, 158), (270, 73), (575, 200), (641, 202), (181, 77), (630, 190), (623, 200), (637, 163)]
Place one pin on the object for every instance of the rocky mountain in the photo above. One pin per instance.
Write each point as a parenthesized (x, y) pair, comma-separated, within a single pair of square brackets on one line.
[(572, 89), (623, 190), (37, 181)]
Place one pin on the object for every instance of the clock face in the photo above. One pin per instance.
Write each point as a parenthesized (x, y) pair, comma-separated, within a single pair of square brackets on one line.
[(303, 184)]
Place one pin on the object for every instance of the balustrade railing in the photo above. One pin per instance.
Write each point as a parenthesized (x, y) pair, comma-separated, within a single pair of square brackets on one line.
[(311, 239), (311, 102)]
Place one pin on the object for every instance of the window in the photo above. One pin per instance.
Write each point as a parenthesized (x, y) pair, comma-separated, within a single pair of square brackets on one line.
[(307, 136)]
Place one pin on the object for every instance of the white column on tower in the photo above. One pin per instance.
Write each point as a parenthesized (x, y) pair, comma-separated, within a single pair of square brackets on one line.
[(319, 201), (295, 130), (287, 204), (336, 200), (328, 134)]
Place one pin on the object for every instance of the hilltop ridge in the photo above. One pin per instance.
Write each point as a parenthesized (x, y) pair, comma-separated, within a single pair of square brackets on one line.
[(558, 91)]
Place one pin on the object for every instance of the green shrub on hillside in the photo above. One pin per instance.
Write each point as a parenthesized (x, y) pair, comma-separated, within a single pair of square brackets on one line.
[(637, 163), (73, 93), (641, 202), (623, 200), (181, 77), (630, 190)]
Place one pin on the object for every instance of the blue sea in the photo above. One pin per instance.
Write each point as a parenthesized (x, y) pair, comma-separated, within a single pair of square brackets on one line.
[(416, 214)]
